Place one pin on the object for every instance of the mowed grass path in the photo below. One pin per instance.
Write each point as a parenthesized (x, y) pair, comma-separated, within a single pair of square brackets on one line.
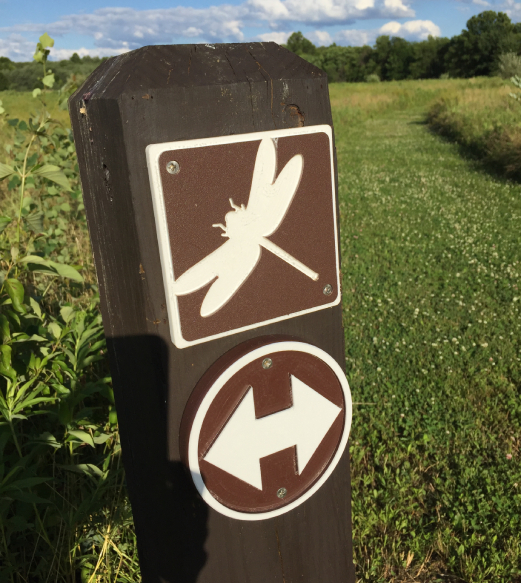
[(431, 263)]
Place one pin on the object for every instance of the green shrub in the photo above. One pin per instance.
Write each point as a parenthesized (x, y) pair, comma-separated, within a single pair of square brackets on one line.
[(373, 78), (487, 128), (509, 65), (64, 514)]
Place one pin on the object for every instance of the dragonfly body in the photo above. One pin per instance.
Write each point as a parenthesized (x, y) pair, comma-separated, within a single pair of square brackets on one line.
[(247, 229)]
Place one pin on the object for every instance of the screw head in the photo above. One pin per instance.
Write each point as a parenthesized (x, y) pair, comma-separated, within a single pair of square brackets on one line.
[(267, 363), (173, 167), (328, 290), (281, 493)]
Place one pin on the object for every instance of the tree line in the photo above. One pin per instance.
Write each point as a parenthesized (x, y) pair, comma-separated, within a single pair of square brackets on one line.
[(475, 52), (20, 76)]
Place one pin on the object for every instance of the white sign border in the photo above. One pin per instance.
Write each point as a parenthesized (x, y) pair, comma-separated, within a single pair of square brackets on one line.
[(195, 431), (153, 152)]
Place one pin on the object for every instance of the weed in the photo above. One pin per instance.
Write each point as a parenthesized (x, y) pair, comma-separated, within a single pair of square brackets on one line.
[(64, 514)]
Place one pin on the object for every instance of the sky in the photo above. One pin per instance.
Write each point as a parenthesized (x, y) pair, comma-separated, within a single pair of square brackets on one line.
[(111, 27)]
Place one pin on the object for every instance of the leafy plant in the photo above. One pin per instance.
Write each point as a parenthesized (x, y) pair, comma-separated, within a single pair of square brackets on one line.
[(64, 514), (509, 65)]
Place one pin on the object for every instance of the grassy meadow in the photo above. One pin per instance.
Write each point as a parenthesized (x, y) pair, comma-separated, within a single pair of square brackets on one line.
[(431, 266)]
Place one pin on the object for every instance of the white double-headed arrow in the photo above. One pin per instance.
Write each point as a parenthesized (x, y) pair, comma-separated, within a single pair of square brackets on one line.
[(245, 439)]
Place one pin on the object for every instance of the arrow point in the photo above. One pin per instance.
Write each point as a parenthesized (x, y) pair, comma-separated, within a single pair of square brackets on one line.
[(316, 415), (234, 450)]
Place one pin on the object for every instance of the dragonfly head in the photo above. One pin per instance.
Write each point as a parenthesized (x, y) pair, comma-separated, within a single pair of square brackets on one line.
[(237, 222)]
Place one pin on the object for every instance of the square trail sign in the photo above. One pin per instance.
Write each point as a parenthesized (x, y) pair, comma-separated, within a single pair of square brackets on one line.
[(247, 229)]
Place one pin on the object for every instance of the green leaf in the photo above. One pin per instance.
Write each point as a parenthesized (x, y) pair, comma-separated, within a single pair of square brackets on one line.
[(5, 333), (36, 307), (54, 174), (26, 483), (46, 41), (53, 267), (48, 439), (6, 170), (66, 271), (4, 222), (48, 80), (89, 469), (67, 312), (35, 222), (28, 497), (82, 436), (16, 292), (100, 439), (37, 92), (5, 356), (34, 259), (55, 330)]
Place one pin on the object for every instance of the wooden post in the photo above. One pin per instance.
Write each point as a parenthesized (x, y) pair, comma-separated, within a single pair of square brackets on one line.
[(166, 353)]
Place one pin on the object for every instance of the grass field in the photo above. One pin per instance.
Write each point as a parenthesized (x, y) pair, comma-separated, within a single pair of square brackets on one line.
[(431, 264)]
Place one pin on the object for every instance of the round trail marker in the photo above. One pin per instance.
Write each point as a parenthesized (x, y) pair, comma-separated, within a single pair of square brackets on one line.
[(262, 440)]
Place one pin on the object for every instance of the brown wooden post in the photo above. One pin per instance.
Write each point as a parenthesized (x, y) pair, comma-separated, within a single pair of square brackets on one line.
[(166, 135)]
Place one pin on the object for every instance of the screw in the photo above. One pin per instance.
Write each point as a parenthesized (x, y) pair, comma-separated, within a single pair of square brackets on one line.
[(328, 290), (173, 167), (267, 363), (281, 493)]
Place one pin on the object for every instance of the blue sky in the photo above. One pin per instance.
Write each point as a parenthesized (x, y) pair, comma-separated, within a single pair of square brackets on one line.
[(109, 27)]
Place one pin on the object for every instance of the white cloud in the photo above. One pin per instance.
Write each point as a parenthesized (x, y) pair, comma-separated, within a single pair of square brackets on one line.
[(193, 31), (411, 30), (355, 38), (320, 37), (480, 2), (17, 48), (275, 36), (59, 54), (118, 29), (325, 11), (513, 9)]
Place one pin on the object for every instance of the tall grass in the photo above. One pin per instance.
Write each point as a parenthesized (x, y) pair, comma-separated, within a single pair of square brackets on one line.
[(357, 102), (485, 122)]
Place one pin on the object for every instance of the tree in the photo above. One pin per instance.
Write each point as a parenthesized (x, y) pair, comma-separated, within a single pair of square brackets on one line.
[(300, 45), (75, 58), (4, 82), (394, 57), (477, 49), (6, 64), (429, 58), (400, 59)]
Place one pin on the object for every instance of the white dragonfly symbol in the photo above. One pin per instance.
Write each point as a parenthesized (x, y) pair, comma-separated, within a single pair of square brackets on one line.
[(246, 229)]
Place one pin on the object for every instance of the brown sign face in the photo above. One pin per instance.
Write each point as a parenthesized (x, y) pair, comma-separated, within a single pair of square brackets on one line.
[(266, 427), (247, 229)]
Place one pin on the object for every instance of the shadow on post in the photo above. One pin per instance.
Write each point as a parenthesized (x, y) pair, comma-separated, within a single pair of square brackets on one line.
[(170, 517)]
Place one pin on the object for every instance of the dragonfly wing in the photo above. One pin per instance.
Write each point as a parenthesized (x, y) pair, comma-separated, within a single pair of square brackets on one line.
[(203, 272), (231, 277), (270, 200)]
